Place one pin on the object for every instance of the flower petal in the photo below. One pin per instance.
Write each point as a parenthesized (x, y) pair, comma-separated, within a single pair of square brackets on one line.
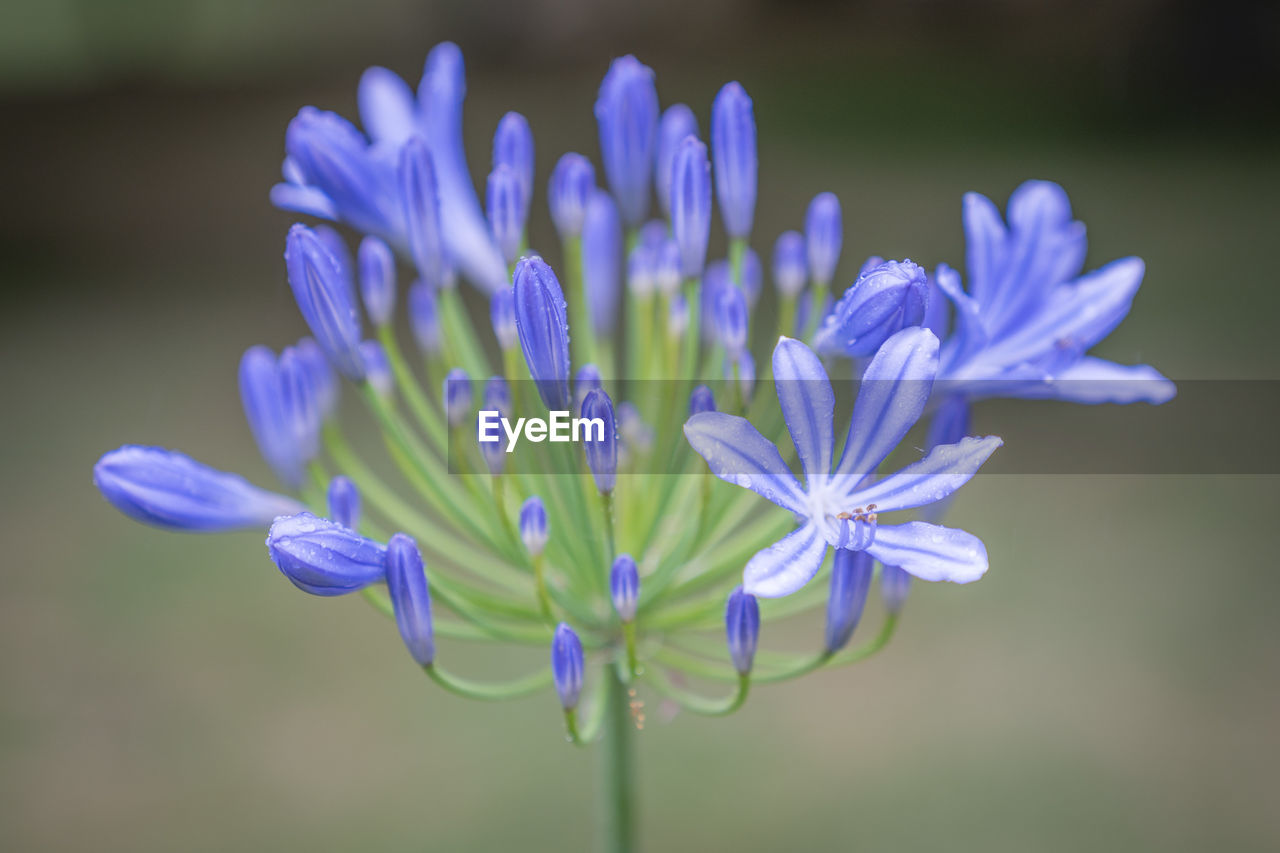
[(1096, 380), (808, 406), (930, 552), (737, 453), (786, 565), (303, 199), (894, 390), (943, 471), (388, 110)]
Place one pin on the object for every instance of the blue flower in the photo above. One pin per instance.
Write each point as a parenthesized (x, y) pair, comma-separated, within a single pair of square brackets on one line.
[(533, 525), (424, 215), (839, 506), (502, 315), (850, 581), (344, 502), (566, 665), (458, 397), (731, 319), (377, 367), (733, 145), (624, 587), (678, 122), (410, 599), (513, 148), (169, 489), (886, 298), (377, 279), (742, 628), (701, 400), (544, 330), (894, 586), (1028, 317), (269, 416), (507, 209), (691, 205), (570, 187), (323, 557), (601, 260), (823, 234), (424, 317), (790, 267), (627, 114), (496, 398), (601, 452), (586, 380), (325, 295)]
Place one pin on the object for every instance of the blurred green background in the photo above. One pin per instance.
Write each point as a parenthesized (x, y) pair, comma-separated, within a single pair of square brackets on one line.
[(1112, 683)]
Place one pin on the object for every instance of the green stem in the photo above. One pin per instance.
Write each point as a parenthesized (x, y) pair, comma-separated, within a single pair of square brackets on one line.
[(489, 691), (616, 789)]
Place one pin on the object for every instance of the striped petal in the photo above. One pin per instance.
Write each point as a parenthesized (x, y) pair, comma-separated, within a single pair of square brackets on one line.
[(737, 453), (786, 565)]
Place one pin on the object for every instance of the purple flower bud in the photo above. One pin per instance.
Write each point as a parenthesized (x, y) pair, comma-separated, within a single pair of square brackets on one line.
[(324, 382), (168, 489), (742, 629), (850, 580), (513, 147), (301, 403), (624, 587), (337, 246), (746, 366), (407, 585), (884, 300), (544, 330), (601, 261), (424, 317), (601, 447), (678, 319), (506, 211), (790, 268), (627, 114), (677, 122), (894, 586), (324, 295), (420, 206), (666, 268), (701, 400), (823, 234), (642, 270), (457, 396), (323, 557), (502, 313), (344, 502), (262, 394), (497, 398), (566, 665), (330, 155), (572, 183), (533, 525), (691, 205), (378, 367), (731, 319), (716, 278), (377, 280), (587, 379), (733, 143)]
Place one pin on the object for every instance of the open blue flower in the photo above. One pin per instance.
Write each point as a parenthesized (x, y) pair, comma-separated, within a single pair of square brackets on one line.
[(1023, 327), (839, 507)]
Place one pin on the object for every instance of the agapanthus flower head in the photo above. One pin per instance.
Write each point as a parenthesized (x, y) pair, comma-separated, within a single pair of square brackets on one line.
[(377, 279), (678, 122), (377, 367), (742, 629), (533, 525), (840, 505), (851, 573), (624, 587), (410, 598), (823, 235), (169, 489), (886, 298), (690, 205), (507, 209), (602, 260), (567, 665), (895, 584), (323, 557), (343, 499), (627, 115), (458, 397), (543, 325), (513, 148), (601, 449), (572, 182), (790, 265), (733, 145), (502, 314), (424, 317), (271, 417), (1023, 327), (325, 295), (701, 400)]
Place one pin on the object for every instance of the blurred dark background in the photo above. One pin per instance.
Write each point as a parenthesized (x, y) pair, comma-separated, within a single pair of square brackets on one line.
[(1111, 685)]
